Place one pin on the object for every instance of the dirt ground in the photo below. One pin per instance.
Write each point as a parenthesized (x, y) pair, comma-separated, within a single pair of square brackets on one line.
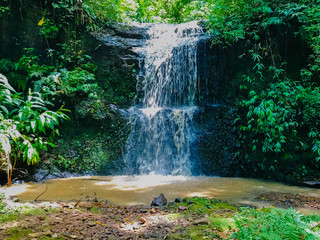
[(101, 220), (91, 220), (291, 200)]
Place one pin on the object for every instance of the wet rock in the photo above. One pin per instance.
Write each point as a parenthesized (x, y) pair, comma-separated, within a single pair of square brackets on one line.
[(159, 201), (143, 210), (312, 184), (14, 198)]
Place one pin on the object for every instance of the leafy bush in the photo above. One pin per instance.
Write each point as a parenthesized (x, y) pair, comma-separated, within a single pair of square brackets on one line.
[(275, 96), (23, 126), (275, 224)]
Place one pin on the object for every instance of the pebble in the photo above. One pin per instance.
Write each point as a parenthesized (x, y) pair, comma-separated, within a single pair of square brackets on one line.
[(183, 208), (91, 224), (153, 211), (143, 210), (142, 220)]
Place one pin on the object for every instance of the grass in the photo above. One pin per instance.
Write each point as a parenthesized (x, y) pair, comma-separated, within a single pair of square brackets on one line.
[(18, 233)]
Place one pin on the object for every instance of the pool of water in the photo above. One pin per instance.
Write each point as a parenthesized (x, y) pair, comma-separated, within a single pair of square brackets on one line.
[(140, 190)]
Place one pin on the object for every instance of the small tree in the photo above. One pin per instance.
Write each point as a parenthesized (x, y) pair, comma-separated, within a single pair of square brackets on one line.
[(23, 126)]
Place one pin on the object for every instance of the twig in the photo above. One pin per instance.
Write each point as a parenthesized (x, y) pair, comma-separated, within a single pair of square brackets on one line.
[(41, 193)]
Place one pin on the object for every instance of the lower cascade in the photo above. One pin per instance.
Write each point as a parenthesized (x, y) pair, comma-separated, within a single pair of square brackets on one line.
[(162, 131)]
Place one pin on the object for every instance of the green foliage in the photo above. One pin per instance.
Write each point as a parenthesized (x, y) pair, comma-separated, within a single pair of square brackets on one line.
[(278, 108), (53, 79), (3, 10), (203, 205), (176, 11), (64, 73), (272, 224), (23, 125), (47, 28), (222, 224), (18, 233), (67, 83)]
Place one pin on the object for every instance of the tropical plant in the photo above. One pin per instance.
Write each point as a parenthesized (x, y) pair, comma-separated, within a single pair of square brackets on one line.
[(275, 224), (24, 125), (277, 97)]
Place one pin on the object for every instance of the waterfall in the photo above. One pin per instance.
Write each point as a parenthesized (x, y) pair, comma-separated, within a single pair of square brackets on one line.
[(162, 131)]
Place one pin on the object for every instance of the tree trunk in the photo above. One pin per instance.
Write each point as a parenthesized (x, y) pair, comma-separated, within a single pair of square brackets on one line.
[(9, 170)]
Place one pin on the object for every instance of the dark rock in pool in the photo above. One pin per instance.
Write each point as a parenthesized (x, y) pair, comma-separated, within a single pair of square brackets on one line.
[(159, 201), (312, 184)]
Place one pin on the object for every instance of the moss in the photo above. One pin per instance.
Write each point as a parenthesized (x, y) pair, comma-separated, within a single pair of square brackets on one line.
[(98, 210), (222, 224), (173, 216), (204, 205), (199, 208), (195, 232), (34, 212), (5, 217), (224, 205), (50, 238), (18, 233)]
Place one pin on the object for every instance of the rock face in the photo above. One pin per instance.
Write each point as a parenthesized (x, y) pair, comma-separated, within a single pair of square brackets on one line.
[(159, 201)]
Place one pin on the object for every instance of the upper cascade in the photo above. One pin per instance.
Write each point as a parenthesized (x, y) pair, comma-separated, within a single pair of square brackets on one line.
[(162, 130), (169, 72)]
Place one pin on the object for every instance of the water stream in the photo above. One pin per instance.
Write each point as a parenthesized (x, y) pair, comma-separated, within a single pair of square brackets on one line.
[(162, 120), (140, 190)]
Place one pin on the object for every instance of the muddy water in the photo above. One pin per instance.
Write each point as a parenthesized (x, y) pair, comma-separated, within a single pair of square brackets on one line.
[(140, 190)]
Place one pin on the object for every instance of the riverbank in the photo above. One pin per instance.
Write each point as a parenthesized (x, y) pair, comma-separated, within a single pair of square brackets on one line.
[(140, 190), (188, 218)]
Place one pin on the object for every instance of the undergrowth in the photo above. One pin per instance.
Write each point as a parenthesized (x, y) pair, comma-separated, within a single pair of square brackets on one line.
[(222, 220), (276, 224)]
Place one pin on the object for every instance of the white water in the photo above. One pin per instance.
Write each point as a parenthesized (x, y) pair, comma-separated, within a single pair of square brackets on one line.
[(162, 122)]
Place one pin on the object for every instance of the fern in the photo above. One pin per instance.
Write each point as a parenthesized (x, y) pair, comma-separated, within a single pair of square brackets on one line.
[(274, 224)]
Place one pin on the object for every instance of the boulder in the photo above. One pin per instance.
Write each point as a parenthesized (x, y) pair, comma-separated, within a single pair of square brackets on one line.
[(159, 201), (311, 184)]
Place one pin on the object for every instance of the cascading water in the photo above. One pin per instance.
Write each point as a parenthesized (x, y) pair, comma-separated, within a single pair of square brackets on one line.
[(162, 122)]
